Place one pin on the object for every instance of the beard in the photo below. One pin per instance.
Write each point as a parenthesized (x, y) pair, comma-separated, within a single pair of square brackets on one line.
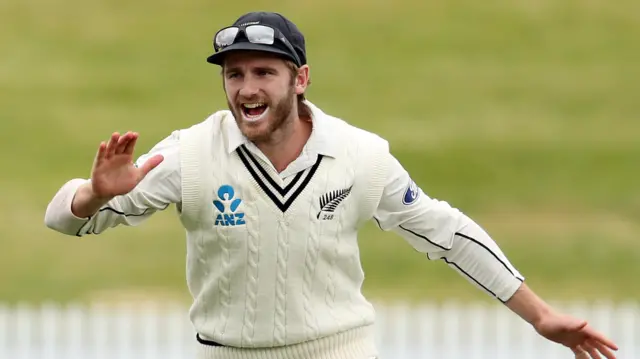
[(269, 130)]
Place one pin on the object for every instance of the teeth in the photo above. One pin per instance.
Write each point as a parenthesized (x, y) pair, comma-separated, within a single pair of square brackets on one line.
[(253, 105), (257, 118)]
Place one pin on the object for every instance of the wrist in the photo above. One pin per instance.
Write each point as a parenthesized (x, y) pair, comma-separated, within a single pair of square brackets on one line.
[(529, 306), (95, 197), (540, 313), (86, 202)]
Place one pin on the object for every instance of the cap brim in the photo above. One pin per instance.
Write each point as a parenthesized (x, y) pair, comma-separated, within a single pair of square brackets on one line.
[(218, 57)]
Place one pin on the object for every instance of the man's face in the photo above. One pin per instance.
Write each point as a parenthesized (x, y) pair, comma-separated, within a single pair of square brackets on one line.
[(261, 93)]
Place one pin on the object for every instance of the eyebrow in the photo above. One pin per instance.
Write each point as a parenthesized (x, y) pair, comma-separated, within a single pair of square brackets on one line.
[(227, 70), (265, 68)]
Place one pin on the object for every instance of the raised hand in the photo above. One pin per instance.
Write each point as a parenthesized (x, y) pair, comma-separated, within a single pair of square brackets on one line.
[(114, 172)]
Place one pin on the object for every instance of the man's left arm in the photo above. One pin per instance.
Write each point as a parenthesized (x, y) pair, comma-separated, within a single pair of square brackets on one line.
[(440, 231)]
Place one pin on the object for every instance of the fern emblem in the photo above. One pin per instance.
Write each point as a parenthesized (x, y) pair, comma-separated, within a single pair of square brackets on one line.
[(330, 201)]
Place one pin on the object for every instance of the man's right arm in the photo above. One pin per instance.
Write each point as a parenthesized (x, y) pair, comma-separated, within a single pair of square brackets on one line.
[(74, 210)]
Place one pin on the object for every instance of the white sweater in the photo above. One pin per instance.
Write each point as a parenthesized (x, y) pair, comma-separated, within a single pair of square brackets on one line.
[(273, 258)]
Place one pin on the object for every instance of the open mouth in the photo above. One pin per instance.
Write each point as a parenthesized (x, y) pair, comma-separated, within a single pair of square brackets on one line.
[(254, 111)]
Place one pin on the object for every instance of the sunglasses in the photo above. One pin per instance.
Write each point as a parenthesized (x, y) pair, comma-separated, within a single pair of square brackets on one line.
[(256, 34)]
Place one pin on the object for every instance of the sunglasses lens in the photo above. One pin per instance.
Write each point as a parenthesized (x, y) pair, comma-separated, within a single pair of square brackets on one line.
[(260, 34), (226, 37)]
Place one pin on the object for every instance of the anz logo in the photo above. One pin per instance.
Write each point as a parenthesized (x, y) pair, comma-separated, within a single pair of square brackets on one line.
[(228, 207)]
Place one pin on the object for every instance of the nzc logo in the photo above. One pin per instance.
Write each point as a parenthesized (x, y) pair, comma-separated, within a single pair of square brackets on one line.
[(228, 217)]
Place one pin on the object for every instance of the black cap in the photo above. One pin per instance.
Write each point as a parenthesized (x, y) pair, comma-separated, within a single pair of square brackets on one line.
[(287, 28)]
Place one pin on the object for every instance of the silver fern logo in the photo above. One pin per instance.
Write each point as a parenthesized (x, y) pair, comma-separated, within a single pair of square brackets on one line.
[(330, 201)]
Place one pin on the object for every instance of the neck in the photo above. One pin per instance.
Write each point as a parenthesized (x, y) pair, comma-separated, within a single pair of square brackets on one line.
[(287, 143)]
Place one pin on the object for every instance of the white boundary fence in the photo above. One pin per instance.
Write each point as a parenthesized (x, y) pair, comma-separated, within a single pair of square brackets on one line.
[(149, 331)]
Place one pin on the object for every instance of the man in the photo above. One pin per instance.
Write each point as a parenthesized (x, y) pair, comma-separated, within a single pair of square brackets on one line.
[(271, 193)]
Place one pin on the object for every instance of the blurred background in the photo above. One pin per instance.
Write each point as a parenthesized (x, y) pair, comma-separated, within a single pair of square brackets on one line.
[(523, 114)]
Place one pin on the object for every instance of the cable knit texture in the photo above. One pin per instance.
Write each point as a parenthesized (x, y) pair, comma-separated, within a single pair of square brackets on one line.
[(310, 264), (279, 329), (253, 276), (271, 281)]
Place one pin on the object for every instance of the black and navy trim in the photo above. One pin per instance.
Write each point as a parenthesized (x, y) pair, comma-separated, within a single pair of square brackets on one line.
[(446, 260), (490, 251), (462, 270), (283, 197), (120, 213), (207, 342)]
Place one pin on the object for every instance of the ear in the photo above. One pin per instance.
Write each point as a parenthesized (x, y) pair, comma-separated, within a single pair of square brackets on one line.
[(302, 79)]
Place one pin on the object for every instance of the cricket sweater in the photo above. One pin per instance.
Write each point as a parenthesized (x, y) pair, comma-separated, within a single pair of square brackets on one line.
[(274, 263), (273, 258)]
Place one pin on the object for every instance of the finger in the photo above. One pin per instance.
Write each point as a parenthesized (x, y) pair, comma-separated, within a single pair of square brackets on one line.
[(111, 145), (578, 352), (603, 349), (150, 164), (122, 143), (131, 144), (596, 336), (592, 351), (102, 148)]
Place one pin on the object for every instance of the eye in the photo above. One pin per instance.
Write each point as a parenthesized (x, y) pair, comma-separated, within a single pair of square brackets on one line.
[(264, 72), (232, 75)]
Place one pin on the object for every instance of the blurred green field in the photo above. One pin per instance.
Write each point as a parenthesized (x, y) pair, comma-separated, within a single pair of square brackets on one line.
[(523, 114)]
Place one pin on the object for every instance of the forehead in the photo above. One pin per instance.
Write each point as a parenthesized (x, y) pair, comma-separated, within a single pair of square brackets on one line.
[(248, 59)]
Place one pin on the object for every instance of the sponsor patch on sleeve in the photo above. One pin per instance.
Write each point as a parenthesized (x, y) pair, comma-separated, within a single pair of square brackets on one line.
[(411, 193)]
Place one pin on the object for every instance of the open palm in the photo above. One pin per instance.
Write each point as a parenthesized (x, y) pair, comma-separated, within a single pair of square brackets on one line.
[(577, 335), (114, 172)]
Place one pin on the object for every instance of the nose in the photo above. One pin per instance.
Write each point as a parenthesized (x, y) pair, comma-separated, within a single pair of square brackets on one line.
[(249, 88)]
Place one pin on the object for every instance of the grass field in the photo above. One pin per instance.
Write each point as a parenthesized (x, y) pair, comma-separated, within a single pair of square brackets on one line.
[(523, 114)]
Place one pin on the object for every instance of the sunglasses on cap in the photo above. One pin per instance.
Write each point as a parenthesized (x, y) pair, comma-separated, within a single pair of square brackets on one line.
[(256, 34)]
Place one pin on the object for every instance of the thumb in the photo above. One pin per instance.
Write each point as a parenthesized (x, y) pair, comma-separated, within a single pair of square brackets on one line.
[(577, 325), (150, 164)]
